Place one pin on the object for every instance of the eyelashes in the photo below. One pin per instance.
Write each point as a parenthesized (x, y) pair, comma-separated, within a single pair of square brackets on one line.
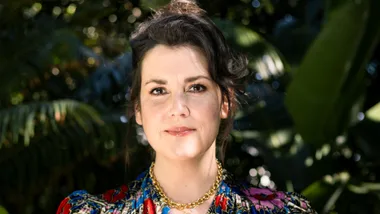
[(199, 88), (195, 88), (157, 91)]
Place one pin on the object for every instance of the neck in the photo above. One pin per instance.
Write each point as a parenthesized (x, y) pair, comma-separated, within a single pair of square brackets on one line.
[(185, 181)]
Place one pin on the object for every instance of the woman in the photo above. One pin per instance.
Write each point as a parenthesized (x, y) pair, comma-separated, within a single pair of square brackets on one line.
[(184, 95)]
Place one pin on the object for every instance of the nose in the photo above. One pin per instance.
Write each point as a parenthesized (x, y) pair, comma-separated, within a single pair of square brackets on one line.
[(178, 106)]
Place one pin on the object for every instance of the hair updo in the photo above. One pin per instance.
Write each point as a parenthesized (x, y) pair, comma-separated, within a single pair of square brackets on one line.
[(184, 23)]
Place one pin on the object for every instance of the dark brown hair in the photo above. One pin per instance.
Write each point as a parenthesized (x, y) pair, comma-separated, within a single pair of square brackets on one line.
[(184, 23)]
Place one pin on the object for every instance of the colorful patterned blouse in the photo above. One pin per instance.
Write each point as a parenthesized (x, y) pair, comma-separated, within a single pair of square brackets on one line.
[(141, 197)]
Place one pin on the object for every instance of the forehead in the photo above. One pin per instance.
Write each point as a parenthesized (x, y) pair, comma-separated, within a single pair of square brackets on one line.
[(165, 61)]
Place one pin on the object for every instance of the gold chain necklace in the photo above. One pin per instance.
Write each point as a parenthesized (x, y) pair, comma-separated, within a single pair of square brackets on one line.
[(201, 200)]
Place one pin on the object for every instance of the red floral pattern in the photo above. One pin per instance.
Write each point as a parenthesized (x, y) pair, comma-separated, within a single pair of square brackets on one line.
[(149, 207), (140, 196), (64, 207), (221, 201), (114, 195)]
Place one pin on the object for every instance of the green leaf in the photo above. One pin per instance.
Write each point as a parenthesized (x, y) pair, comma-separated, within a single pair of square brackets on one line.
[(330, 79), (268, 6), (263, 56), (24, 117), (374, 113), (364, 188), (3, 210), (323, 195), (29, 128), (333, 198), (331, 5)]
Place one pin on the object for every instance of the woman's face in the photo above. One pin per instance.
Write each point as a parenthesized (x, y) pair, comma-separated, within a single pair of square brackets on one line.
[(180, 105)]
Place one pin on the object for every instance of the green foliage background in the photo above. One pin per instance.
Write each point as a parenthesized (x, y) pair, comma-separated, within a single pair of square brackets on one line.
[(311, 125)]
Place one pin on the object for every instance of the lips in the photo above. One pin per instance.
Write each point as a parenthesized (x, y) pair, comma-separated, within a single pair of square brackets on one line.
[(180, 131)]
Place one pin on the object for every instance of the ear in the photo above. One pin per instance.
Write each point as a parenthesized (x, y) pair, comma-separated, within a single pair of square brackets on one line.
[(138, 115), (224, 109)]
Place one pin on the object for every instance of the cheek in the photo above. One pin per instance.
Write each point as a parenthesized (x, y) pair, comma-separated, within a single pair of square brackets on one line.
[(152, 109), (205, 109)]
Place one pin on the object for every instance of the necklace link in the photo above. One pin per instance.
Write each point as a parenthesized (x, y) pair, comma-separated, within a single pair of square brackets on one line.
[(191, 205)]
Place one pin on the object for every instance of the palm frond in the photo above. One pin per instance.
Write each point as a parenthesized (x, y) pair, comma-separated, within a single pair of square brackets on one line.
[(23, 120), (25, 167), (263, 57)]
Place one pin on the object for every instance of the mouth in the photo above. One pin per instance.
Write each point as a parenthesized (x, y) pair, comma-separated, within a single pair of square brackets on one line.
[(180, 131)]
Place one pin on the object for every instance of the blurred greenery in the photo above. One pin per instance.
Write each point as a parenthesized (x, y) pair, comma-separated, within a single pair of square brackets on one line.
[(3, 210), (311, 124)]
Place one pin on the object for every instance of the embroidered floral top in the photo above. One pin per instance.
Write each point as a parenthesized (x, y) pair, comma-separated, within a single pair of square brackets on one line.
[(141, 197)]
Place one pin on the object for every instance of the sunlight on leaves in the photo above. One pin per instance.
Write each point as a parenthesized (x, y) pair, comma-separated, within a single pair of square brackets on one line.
[(23, 119), (263, 57), (32, 11), (374, 113), (246, 37), (71, 9), (269, 65), (279, 138), (37, 7), (364, 188), (309, 161), (16, 98), (333, 198), (56, 11)]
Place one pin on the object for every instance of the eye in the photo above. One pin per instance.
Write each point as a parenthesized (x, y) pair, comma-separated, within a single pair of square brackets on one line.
[(157, 91), (197, 88)]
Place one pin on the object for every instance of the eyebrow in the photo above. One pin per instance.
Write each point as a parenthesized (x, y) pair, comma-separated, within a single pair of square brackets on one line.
[(187, 80)]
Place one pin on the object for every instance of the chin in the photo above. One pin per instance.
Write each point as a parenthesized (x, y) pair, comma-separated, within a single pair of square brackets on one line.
[(187, 154), (179, 154), (184, 156), (182, 151)]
